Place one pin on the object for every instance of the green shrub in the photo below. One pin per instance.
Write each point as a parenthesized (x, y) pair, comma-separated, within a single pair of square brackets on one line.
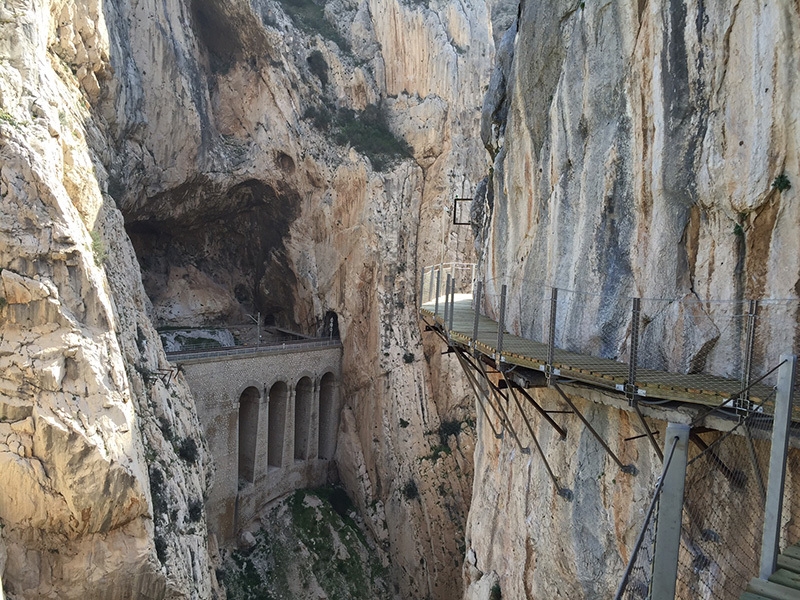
[(496, 593), (310, 17), (782, 183), (410, 490), (188, 450), (408, 358), (98, 249), (369, 133), (195, 510), (448, 428)]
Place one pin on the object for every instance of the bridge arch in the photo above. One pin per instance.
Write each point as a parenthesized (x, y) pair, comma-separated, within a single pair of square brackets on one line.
[(303, 413), (277, 410), (328, 413), (249, 403)]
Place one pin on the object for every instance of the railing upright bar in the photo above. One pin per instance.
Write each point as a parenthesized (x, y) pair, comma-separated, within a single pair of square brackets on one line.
[(438, 286), (447, 297), (452, 302), (777, 466), (477, 308), (551, 335), (422, 288), (635, 317), (431, 284), (747, 371), (501, 325)]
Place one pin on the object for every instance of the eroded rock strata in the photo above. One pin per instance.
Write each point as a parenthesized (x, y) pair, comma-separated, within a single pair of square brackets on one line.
[(188, 163), (639, 150)]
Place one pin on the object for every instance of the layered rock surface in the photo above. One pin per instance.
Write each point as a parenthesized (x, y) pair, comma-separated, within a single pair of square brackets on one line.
[(637, 151), (214, 136)]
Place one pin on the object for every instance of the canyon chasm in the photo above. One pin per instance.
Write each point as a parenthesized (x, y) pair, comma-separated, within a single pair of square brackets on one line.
[(191, 163)]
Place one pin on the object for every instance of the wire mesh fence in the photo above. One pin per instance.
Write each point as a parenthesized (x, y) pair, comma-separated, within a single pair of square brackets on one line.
[(723, 513)]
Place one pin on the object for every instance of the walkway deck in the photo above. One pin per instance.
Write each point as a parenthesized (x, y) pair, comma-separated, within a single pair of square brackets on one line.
[(699, 389), (783, 584)]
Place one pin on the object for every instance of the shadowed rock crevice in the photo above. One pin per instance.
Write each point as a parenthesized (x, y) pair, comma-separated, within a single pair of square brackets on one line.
[(210, 254)]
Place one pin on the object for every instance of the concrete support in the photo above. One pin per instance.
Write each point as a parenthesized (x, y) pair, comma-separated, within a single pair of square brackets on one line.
[(777, 466), (670, 512)]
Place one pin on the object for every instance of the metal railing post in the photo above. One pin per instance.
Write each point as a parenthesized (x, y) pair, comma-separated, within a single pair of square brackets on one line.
[(777, 465), (670, 513), (438, 286), (431, 284), (422, 288), (477, 308), (630, 387), (452, 301), (446, 298), (551, 336), (747, 369), (501, 325)]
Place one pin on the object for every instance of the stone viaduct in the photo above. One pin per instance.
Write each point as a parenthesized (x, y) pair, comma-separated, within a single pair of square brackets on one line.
[(270, 417)]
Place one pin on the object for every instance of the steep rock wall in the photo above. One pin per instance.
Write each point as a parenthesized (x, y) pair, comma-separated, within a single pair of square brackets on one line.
[(207, 127), (87, 511), (634, 149)]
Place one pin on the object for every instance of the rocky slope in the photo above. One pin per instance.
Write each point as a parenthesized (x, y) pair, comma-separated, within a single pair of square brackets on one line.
[(638, 150), (227, 148)]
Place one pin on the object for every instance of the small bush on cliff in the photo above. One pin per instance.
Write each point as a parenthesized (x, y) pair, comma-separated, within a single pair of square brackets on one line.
[(410, 490), (318, 66), (195, 510), (448, 428), (98, 249), (782, 183), (369, 133), (496, 593), (188, 450)]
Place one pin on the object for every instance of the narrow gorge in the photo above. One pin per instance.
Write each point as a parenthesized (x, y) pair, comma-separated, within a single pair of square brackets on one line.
[(287, 168)]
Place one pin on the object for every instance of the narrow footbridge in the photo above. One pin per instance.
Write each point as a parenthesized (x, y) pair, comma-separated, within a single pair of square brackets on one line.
[(682, 350), (733, 359)]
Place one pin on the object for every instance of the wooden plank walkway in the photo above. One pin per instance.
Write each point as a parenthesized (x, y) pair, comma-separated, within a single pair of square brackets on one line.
[(707, 390), (783, 584)]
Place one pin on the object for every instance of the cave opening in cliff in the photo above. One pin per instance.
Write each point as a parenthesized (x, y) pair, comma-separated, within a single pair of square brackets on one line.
[(211, 255)]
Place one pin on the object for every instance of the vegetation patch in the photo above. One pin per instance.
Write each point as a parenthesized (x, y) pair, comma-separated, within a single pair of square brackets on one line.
[(98, 249), (366, 131), (309, 541), (318, 66), (310, 17), (187, 450), (782, 183), (410, 490)]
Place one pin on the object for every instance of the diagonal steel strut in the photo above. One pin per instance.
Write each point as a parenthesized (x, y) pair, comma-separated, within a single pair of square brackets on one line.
[(564, 492), (625, 468)]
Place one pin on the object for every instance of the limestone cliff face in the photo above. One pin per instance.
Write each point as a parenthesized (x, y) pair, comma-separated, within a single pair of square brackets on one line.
[(216, 145), (85, 404), (635, 149)]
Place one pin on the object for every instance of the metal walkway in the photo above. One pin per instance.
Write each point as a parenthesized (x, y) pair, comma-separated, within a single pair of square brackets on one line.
[(613, 375)]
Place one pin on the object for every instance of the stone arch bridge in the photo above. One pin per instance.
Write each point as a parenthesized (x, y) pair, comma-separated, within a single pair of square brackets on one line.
[(270, 417)]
